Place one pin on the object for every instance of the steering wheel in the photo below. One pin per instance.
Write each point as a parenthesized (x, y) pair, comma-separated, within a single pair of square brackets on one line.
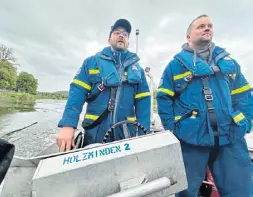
[(79, 139), (124, 124)]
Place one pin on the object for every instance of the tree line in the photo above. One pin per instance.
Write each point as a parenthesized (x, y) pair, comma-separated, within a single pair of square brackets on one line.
[(9, 79)]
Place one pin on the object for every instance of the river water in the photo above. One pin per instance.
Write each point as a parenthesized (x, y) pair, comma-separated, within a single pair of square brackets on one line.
[(41, 119)]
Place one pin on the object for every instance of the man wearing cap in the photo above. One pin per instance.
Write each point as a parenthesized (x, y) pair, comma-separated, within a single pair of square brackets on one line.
[(115, 88), (207, 102)]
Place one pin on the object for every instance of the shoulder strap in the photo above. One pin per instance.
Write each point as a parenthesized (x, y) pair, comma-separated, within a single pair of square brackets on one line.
[(110, 107), (213, 120), (99, 87), (187, 79)]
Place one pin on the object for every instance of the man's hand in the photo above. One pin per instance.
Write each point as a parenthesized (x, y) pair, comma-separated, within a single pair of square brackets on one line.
[(65, 139)]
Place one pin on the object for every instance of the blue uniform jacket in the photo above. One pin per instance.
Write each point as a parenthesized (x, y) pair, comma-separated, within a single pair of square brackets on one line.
[(232, 98), (132, 98)]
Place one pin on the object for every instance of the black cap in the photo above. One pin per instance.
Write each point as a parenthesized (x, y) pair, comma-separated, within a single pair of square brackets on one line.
[(122, 23)]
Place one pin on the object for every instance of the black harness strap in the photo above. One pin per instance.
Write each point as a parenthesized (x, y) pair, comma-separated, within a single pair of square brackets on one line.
[(100, 87), (102, 117), (209, 101)]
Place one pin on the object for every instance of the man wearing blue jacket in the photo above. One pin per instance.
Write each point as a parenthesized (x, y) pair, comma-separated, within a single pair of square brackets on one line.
[(205, 100), (114, 85)]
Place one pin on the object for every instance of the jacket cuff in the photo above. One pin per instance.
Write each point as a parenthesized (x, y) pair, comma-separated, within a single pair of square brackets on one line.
[(67, 122)]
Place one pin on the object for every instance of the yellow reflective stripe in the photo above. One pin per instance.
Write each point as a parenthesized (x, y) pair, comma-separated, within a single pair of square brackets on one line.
[(125, 73), (239, 117), (84, 85), (91, 117), (177, 117), (176, 77), (241, 89), (94, 71), (234, 75), (167, 91), (131, 118), (144, 94)]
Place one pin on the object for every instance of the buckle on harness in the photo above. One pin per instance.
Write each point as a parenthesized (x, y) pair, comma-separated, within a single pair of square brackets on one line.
[(209, 97), (111, 104), (208, 94), (101, 87), (188, 78)]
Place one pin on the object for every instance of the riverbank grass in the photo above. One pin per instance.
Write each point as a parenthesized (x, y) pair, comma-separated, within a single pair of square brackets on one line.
[(16, 97)]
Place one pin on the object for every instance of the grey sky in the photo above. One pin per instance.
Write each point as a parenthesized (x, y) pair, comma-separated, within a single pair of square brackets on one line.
[(51, 38)]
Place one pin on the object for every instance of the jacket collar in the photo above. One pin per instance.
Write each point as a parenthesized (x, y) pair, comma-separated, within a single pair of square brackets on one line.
[(131, 58), (197, 66)]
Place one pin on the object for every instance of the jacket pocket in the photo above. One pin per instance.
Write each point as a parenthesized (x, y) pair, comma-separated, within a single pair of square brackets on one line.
[(109, 74), (187, 127), (134, 74), (94, 75), (238, 127)]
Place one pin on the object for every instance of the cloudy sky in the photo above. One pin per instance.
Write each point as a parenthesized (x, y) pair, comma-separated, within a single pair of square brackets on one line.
[(51, 38)]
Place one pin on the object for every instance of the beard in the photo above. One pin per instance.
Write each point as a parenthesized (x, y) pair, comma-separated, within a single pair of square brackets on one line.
[(203, 42), (119, 46)]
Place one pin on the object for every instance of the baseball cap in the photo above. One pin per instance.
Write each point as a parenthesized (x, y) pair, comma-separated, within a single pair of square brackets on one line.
[(122, 23)]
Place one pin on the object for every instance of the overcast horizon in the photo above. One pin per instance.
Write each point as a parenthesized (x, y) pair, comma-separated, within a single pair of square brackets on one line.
[(51, 39)]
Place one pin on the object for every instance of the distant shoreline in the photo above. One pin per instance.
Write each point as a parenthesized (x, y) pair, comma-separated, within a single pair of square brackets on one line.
[(11, 97)]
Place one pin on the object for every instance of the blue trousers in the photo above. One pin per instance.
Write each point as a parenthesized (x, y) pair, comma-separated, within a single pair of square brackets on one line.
[(232, 170)]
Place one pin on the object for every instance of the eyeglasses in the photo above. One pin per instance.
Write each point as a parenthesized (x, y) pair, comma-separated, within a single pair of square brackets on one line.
[(117, 32)]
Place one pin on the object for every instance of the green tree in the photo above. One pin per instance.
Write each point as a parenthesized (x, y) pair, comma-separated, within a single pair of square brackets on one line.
[(27, 83), (8, 75)]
